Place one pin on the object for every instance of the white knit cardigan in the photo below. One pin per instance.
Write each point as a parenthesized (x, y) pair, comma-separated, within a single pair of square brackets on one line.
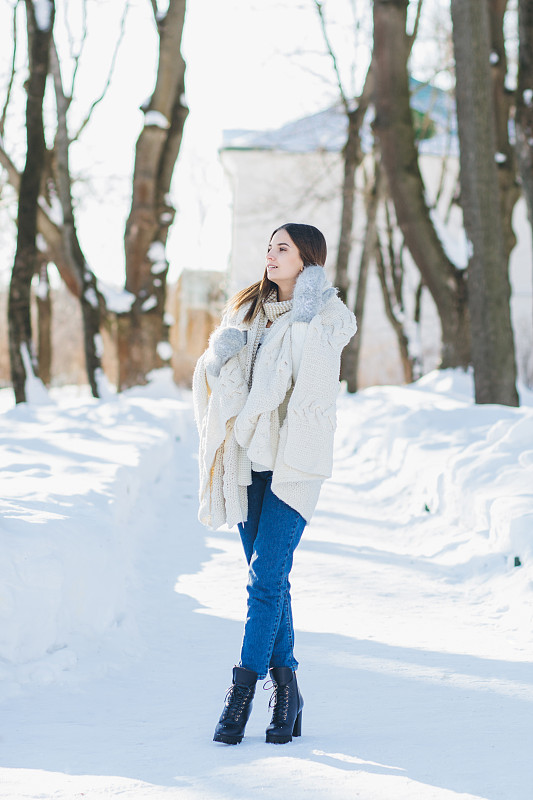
[(238, 426)]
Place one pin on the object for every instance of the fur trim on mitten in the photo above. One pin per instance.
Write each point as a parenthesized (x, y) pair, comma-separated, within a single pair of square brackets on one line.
[(224, 344), (310, 293)]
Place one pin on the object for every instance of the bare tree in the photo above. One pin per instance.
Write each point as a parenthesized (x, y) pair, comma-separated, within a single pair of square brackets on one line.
[(142, 328), (61, 244), (44, 325), (524, 102), (40, 22), (12, 72), (488, 281), (503, 103), (355, 109), (394, 128), (352, 351), (90, 299), (391, 272), (352, 155)]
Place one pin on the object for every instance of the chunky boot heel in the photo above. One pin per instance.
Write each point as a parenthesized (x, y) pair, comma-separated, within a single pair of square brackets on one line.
[(297, 730), (286, 704), (237, 708)]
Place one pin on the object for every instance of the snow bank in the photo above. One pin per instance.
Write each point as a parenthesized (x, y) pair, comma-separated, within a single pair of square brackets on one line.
[(470, 465), (72, 474)]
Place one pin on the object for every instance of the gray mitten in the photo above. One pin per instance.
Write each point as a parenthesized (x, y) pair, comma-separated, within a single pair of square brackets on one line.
[(225, 343), (308, 293)]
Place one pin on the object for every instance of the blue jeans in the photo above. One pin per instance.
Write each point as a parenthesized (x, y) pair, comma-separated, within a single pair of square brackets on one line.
[(269, 536)]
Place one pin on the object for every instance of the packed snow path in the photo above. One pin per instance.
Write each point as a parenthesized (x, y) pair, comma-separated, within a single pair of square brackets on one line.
[(413, 636)]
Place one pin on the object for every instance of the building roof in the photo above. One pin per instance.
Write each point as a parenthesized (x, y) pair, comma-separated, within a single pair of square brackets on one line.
[(326, 130)]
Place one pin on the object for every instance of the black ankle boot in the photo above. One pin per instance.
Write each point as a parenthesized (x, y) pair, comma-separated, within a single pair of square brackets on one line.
[(286, 703), (231, 725)]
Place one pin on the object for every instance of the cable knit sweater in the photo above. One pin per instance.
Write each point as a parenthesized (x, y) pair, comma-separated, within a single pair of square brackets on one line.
[(239, 425)]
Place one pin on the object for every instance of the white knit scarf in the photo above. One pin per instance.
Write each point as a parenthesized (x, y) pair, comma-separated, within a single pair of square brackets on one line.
[(271, 311), (274, 309)]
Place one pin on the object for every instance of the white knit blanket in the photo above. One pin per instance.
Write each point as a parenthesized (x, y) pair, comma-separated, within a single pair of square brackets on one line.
[(238, 425)]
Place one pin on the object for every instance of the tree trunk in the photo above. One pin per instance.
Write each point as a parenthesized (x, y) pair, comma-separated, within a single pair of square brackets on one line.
[(506, 160), (351, 353), (524, 102), (44, 317), (352, 159), (394, 128), (20, 335), (396, 324), (353, 156), (90, 299), (143, 328), (488, 280), (391, 273)]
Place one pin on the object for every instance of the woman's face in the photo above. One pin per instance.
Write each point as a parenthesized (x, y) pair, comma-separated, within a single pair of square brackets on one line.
[(284, 263)]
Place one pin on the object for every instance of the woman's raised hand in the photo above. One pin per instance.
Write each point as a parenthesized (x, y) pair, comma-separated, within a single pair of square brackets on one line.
[(223, 345)]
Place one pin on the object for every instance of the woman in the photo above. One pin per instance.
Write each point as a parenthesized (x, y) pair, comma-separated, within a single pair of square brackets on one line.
[(264, 397)]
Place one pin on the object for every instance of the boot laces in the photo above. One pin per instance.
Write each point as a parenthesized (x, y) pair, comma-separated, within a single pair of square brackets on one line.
[(279, 701), (236, 700)]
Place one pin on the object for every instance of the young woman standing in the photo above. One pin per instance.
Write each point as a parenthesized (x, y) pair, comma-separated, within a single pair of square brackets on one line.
[(264, 397)]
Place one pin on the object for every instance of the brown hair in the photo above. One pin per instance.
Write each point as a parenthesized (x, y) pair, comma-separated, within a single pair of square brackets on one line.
[(312, 249)]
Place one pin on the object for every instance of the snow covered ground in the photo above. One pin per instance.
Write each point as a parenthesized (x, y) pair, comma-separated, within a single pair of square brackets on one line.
[(120, 616)]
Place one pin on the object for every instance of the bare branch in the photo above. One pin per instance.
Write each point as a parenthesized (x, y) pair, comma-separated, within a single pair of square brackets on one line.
[(61, 145), (444, 171), (110, 73), (413, 36), (418, 303), (12, 76), (411, 368), (320, 11), (77, 57), (13, 175), (68, 29), (48, 228)]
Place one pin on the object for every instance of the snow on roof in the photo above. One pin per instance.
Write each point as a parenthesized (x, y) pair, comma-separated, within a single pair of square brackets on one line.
[(326, 130), (322, 131)]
